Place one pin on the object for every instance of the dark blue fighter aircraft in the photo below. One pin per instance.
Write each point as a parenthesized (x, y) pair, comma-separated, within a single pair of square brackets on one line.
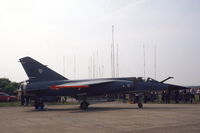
[(44, 82)]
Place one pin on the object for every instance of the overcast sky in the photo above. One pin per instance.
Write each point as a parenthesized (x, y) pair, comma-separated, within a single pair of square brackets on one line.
[(48, 30)]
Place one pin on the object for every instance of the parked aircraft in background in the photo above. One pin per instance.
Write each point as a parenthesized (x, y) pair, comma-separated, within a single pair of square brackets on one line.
[(45, 82)]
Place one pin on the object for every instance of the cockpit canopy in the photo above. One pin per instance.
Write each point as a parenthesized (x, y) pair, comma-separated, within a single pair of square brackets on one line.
[(147, 79)]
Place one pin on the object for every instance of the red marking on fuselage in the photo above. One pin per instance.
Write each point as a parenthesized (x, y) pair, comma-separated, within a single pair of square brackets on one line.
[(54, 87)]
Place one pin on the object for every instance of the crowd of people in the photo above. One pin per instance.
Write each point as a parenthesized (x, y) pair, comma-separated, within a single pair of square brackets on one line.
[(176, 96)]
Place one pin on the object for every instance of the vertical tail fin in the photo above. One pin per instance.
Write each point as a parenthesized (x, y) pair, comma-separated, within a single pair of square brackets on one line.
[(39, 72)]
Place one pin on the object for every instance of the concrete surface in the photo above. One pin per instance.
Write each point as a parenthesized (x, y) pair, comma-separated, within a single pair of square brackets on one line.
[(102, 118)]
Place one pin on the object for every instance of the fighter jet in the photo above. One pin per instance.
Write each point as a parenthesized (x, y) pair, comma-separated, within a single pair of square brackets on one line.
[(44, 82)]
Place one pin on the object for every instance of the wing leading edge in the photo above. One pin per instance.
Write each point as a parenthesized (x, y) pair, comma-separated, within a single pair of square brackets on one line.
[(82, 84)]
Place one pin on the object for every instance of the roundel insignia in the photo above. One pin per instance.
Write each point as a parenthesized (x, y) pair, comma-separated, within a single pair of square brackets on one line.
[(129, 85), (40, 70)]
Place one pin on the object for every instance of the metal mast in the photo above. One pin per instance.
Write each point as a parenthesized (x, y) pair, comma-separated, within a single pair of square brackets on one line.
[(155, 59), (94, 65), (74, 66), (113, 54), (63, 65), (117, 62), (144, 58)]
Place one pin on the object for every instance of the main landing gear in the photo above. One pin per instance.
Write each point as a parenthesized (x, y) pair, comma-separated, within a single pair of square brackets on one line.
[(84, 105), (138, 99)]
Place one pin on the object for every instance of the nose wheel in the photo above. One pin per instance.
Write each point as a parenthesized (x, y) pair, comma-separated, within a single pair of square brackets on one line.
[(84, 105), (140, 105)]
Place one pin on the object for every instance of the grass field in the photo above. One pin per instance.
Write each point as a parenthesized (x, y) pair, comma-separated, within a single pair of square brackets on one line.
[(8, 104)]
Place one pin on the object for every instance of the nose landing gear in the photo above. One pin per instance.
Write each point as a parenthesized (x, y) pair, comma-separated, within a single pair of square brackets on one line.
[(84, 105), (140, 105)]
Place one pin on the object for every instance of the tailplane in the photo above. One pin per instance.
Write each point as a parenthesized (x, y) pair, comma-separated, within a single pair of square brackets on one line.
[(39, 72)]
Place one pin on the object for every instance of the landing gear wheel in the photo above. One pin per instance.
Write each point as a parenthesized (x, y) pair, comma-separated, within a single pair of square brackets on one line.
[(140, 105), (84, 105)]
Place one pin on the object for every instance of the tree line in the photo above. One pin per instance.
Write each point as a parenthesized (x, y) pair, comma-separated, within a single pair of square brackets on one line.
[(8, 86)]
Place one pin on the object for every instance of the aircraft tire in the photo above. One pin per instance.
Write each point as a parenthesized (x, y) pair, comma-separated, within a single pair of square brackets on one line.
[(140, 105), (84, 105)]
